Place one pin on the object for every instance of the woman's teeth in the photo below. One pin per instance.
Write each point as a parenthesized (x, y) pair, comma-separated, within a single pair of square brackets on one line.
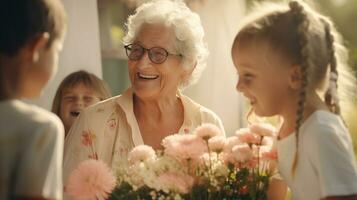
[(149, 77)]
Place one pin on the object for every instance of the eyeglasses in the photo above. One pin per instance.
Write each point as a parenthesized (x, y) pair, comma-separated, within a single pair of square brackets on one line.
[(157, 55)]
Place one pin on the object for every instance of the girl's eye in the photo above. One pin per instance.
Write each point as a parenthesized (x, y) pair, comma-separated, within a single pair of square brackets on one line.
[(69, 98), (247, 78)]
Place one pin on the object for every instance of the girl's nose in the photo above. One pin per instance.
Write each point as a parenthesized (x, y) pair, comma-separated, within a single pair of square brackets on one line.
[(80, 102), (239, 86)]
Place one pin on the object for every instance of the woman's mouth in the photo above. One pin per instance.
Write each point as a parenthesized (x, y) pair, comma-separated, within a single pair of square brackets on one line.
[(147, 76)]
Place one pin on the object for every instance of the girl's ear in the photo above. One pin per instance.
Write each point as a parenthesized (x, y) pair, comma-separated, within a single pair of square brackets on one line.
[(36, 45), (295, 77)]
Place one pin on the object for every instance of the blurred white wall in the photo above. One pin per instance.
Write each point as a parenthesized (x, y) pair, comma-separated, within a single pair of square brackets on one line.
[(216, 87), (81, 48)]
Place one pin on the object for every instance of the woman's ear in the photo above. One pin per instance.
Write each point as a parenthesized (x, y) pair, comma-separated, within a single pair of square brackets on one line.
[(295, 77), (36, 45), (187, 72)]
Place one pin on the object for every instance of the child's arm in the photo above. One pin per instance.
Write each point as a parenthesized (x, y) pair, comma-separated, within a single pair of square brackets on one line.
[(277, 190)]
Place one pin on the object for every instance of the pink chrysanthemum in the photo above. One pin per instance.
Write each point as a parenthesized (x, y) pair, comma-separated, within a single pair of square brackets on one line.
[(242, 153), (184, 147), (217, 143), (206, 131), (141, 153), (230, 142), (172, 181), (91, 180), (246, 136), (263, 129)]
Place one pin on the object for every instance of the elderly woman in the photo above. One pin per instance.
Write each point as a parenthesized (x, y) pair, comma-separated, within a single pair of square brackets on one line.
[(166, 53)]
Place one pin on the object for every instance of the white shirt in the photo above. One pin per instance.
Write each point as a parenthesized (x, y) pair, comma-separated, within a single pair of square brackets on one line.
[(109, 130), (326, 164), (31, 151)]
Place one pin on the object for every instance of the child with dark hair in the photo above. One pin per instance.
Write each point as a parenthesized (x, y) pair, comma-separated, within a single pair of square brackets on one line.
[(31, 138), (77, 91)]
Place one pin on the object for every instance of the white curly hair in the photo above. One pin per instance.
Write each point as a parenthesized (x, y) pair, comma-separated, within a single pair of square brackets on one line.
[(186, 25)]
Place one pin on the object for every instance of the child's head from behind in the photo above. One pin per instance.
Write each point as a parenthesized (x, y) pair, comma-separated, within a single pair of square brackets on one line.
[(283, 54), (31, 37), (77, 91)]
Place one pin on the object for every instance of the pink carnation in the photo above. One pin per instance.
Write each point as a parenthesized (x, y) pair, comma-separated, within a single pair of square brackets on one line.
[(184, 147), (91, 180), (246, 136), (206, 131), (173, 181), (217, 143), (141, 153)]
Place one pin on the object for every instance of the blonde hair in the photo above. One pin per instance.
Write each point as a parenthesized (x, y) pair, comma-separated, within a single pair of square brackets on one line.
[(309, 40), (88, 79), (185, 24)]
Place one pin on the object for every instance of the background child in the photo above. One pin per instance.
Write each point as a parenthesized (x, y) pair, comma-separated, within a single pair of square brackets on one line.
[(31, 139), (289, 59), (77, 91)]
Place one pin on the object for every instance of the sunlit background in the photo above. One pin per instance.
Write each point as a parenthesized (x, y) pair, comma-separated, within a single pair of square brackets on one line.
[(94, 43)]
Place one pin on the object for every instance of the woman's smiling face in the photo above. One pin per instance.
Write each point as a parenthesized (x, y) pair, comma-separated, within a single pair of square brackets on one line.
[(150, 80)]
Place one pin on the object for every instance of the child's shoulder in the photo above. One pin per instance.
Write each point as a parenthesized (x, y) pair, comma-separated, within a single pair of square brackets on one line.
[(16, 114), (323, 126)]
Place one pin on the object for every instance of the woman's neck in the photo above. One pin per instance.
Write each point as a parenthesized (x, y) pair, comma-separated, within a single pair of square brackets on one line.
[(312, 103), (158, 118), (156, 109)]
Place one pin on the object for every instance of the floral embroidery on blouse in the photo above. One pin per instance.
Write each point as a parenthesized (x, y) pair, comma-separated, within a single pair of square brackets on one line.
[(87, 138), (94, 155), (112, 124)]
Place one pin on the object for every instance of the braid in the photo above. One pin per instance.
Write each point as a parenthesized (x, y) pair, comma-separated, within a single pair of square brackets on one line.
[(331, 98), (302, 25)]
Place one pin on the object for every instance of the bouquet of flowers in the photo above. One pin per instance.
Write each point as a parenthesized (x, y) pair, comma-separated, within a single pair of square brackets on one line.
[(201, 165)]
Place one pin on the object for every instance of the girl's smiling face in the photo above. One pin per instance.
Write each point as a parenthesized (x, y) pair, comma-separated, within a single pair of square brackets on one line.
[(73, 101), (263, 77)]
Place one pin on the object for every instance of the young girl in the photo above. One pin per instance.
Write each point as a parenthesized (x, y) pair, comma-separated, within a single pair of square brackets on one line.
[(77, 91), (289, 59), (31, 138)]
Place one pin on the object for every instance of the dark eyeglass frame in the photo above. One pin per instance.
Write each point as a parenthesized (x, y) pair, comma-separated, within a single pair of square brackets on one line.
[(128, 49)]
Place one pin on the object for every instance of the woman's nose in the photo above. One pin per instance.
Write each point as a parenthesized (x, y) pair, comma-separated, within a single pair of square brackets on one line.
[(145, 61)]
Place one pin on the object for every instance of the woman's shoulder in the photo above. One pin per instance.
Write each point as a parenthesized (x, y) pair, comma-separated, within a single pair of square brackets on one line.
[(198, 111), (102, 106), (102, 111)]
